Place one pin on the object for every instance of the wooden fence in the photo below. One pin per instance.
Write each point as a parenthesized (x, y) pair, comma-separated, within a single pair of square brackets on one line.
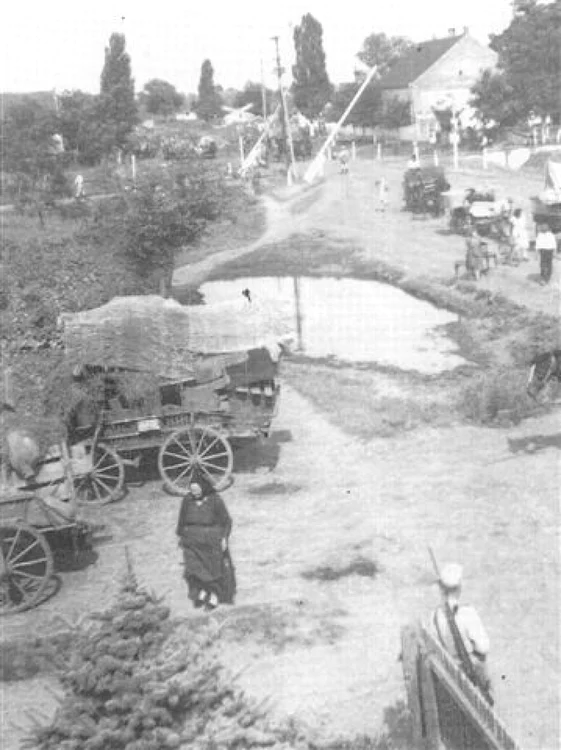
[(448, 712)]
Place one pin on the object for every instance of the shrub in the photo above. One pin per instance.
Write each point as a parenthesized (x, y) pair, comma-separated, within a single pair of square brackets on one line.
[(497, 396)]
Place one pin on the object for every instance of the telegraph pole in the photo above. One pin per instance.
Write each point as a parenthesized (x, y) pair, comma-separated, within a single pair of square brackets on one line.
[(285, 124), (263, 94)]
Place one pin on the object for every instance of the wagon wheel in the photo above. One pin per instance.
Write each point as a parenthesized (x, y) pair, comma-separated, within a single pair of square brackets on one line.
[(196, 449), (103, 483), (26, 565)]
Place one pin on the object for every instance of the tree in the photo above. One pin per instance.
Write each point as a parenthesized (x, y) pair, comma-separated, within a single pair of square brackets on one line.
[(311, 88), (82, 127), (209, 103), (529, 66), (117, 103), (495, 99), (396, 113), (382, 51), (365, 112), (160, 97), (30, 155), (253, 94)]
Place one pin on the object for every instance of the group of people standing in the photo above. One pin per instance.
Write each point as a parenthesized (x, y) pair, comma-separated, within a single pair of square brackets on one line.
[(546, 245)]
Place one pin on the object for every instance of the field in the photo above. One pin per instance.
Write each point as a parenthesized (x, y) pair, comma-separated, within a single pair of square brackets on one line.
[(365, 467)]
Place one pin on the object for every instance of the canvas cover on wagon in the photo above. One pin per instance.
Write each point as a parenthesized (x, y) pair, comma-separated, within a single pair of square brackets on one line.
[(174, 341)]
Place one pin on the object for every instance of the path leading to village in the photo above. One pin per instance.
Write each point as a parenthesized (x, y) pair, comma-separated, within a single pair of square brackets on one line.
[(313, 497)]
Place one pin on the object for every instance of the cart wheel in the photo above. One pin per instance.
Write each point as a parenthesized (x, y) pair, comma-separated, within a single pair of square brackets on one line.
[(26, 565), (104, 482), (201, 449)]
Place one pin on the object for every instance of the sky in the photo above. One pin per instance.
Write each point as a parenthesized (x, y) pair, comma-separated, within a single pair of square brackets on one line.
[(60, 44)]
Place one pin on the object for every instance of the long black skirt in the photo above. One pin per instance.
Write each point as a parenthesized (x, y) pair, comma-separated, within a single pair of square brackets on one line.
[(206, 566)]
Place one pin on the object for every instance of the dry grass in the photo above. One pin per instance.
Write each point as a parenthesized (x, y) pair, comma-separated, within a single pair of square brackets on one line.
[(367, 404)]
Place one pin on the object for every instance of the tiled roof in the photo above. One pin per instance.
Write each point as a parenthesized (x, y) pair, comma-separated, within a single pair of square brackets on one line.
[(415, 61)]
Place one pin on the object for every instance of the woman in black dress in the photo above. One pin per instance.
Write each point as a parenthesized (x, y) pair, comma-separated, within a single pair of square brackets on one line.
[(203, 528)]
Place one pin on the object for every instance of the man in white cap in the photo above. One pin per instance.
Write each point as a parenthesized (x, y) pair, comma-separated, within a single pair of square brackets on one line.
[(469, 624)]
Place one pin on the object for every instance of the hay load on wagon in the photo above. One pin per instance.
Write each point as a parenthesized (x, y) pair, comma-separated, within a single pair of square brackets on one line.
[(182, 380)]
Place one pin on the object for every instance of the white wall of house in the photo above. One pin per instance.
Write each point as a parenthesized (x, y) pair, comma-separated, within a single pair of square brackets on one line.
[(448, 82)]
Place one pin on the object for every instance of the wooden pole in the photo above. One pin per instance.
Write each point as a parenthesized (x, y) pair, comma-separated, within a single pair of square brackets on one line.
[(263, 94), (314, 168)]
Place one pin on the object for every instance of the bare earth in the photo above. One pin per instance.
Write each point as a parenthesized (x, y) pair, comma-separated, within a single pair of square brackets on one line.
[(314, 496)]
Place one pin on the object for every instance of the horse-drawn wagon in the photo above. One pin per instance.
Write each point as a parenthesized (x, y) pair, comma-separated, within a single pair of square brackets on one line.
[(423, 189), (180, 381), (39, 518), (481, 210)]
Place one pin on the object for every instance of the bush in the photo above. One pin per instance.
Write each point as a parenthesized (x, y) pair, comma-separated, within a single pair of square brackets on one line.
[(129, 686), (498, 397)]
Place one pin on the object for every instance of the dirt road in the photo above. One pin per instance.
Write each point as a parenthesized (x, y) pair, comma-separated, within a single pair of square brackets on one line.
[(315, 498)]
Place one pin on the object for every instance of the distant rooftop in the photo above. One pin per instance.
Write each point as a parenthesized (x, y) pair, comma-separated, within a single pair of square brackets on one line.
[(415, 61)]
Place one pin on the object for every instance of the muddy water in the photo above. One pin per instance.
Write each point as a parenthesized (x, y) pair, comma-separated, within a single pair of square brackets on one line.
[(354, 320)]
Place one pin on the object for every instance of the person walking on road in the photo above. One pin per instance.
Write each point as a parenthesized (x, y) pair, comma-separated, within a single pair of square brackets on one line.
[(475, 254), (469, 625), (79, 187), (519, 235), (203, 528), (545, 246)]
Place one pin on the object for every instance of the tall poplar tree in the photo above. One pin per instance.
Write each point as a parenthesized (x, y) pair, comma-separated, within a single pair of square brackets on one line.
[(117, 103), (209, 103), (311, 88)]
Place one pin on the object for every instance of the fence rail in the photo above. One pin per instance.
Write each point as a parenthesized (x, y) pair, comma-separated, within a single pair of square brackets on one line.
[(448, 710)]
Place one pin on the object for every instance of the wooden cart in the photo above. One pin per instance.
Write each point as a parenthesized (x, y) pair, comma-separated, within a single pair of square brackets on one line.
[(37, 518), (190, 424)]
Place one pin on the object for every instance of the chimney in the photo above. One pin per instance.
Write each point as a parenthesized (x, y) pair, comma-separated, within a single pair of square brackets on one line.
[(452, 32)]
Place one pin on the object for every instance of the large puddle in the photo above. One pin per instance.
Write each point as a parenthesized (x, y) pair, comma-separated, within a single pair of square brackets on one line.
[(355, 321)]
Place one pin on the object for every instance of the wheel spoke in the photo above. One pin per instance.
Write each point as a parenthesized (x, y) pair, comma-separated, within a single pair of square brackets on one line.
[(217, 455), (93, 484), (211, 478), (27, 563), (183, 448), (24, 552), (216, 440), (110, 471), (216, 467), (191, 442), (30, 576), (183, 473), (201, 441), (177, 455), (98, 482), (171, 467), (14, 540)]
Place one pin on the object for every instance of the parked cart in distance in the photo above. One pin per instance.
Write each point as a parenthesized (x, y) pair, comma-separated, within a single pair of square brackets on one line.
[(423, 189)]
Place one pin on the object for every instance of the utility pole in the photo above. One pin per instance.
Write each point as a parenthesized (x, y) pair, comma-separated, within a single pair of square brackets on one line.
[(285, 124), (263, 94)]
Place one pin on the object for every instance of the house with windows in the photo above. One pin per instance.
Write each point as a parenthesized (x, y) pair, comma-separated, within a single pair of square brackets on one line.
[(436, 75)]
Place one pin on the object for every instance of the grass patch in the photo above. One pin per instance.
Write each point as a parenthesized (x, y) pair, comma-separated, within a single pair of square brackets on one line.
[(369, 404), (25, 659), (244, 222), (297, 255), (497, 397), (397, 733), (360, 566)]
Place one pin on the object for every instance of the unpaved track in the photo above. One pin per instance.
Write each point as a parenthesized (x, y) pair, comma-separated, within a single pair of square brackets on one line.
[(386, 499), (461, 489)]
